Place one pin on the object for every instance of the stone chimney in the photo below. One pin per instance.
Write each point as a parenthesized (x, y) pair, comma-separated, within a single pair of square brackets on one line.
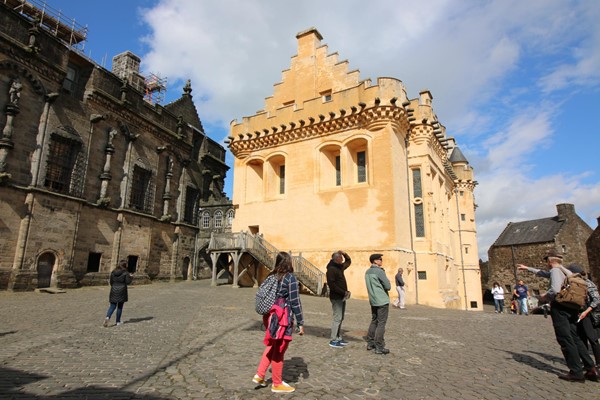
[(308, 41), (565, 211)]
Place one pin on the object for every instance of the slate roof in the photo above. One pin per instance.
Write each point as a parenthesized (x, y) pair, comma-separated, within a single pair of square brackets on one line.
[(535, 231), (457, 156)]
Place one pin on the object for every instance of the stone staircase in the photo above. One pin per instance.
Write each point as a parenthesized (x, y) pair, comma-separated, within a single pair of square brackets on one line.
[(311, 278)]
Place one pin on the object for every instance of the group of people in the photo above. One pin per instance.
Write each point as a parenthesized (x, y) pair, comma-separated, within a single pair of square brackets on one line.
[(573, 328), (378, 287), (280, 320), (520, 298)]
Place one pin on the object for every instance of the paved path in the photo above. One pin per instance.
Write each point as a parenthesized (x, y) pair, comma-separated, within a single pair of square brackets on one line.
[(191, 341)]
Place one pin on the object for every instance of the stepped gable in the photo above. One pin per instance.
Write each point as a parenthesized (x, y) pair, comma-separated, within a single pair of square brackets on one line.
[(313, 72), (185, 107)]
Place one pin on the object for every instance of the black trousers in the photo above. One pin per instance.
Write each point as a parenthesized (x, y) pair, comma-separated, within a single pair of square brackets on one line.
[(574, 350)]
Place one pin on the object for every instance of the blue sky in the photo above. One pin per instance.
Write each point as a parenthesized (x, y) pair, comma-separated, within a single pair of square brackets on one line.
[(516, 82)]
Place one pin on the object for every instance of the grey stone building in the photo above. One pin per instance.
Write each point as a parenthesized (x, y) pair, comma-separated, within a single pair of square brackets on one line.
[(526, 242), (92, 170), (593, 252)]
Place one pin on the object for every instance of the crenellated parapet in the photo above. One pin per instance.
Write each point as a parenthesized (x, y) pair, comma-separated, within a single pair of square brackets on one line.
[(372, 118)]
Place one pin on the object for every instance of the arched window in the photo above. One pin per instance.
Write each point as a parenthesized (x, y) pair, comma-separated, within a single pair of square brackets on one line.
[(205, 220), (230, 215), (219, 219), (330, 163)]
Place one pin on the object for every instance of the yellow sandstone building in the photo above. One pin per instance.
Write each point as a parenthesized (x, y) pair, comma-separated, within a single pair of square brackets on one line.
[(335, 162)]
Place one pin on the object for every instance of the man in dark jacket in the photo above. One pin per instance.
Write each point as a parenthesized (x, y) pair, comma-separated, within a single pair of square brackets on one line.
[(338, 294)]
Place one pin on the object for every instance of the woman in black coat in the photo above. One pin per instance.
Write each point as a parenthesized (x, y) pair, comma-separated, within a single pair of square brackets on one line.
[(119, 279)]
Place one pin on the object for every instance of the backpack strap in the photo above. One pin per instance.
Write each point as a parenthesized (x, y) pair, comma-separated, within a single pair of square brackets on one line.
[(566, 271)]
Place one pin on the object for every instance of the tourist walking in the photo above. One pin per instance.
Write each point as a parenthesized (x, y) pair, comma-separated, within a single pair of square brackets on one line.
[(399, 302), (119, 279), (338, 294), (279, 325), (378, 287)]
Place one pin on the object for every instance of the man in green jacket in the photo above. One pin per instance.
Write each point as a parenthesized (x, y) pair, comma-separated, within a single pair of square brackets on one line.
[(378, 286)]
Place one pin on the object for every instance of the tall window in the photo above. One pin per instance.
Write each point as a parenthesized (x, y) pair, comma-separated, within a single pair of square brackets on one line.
[(205, 220), (230, 216), (141, 190), (60, 170), (361, 164), (338, 171), (190, 214), (281, 179), (71, 79), (330, 167), (219, 219), (418, 203)]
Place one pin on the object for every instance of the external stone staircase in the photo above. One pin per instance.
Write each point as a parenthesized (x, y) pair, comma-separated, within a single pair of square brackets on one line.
[(237, 244)]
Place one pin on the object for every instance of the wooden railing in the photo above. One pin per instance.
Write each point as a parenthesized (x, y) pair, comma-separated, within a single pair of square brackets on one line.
[(264, 252)]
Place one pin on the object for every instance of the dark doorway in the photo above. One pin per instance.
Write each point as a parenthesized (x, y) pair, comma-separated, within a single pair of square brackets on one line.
[(185, 268), (93, 264), (132, 264), (44, 269)]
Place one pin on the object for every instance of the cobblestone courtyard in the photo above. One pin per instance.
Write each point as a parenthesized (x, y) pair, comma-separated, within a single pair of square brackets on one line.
[(191, 341)]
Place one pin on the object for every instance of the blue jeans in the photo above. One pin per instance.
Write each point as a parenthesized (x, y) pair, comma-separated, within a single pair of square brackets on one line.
[(339, 309), (523, 304), (111, 309), (499, 303)]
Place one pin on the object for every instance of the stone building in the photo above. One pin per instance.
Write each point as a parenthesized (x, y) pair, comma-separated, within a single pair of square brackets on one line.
[(334, 162), (526, 242), (593, 252), (91, 169)]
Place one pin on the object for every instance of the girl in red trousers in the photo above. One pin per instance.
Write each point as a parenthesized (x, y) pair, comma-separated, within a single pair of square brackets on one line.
[(279, 324)]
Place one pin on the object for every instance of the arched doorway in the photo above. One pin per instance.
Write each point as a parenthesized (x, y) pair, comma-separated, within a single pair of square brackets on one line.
[(185, 268), (45, 266)]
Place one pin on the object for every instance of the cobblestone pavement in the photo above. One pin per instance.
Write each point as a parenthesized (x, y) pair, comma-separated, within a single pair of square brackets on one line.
[(191, 341)]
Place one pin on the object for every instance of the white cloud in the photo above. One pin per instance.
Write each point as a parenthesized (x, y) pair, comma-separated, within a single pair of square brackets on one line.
[(496, 70)]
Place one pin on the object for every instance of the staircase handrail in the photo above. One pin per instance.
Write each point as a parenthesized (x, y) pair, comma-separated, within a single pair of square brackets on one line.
[(263, 251)]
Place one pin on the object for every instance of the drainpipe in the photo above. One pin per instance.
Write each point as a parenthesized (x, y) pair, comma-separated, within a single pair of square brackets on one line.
[(512, 251), (410, 220)]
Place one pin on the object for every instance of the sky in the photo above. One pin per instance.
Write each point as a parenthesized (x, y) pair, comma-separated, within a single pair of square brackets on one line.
[(516, 82)]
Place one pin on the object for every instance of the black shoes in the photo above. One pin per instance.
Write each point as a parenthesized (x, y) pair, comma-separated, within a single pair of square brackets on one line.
[(384, 351), (370, 347), (572, 378), (592, 375)]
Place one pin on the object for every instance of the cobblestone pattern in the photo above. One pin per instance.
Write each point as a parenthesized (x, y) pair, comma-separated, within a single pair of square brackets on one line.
[(188, 340)]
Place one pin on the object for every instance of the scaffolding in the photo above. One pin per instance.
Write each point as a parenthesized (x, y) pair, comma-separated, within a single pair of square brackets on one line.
[(61, 26), (156, 87)]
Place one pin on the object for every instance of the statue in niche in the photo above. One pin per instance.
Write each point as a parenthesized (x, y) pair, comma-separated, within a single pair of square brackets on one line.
[(111, 135), (14, 93)]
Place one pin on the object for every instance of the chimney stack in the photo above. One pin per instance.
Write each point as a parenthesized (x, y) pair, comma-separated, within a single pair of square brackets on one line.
[(565, 210)]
